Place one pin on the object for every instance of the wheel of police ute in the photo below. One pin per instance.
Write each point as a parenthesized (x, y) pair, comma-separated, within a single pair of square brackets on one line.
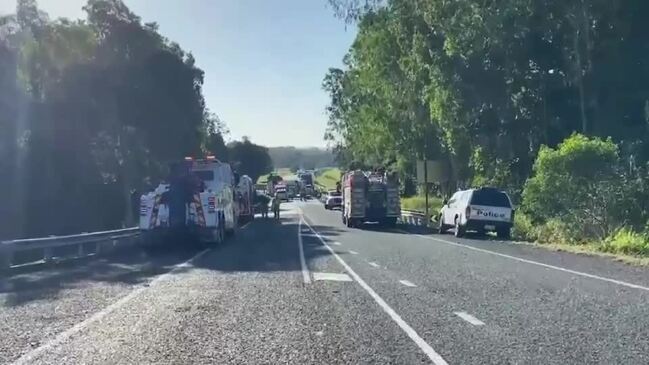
[(391, 222), (441, 227), (504, 233), (459, 230)]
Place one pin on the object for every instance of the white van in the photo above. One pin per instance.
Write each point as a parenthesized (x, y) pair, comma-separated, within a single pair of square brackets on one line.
[(480, 210)]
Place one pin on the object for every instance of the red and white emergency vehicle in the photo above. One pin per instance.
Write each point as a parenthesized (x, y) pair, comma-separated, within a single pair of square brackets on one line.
[(208, 201)]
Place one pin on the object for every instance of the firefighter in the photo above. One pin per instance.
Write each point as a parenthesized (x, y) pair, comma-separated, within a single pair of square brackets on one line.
[(275, 204), (263, 201)]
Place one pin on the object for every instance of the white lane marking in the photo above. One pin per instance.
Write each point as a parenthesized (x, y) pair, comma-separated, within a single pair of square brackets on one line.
[(425, 347), (408, 283), (469, 318), (305, 270), (353, 252), (373, 264), (579, 273), (330, 276), (29, 357), (245, 225), (336, 243)]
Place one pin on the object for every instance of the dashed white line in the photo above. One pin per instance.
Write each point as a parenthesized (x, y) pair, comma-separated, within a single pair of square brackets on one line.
[(353, 252), (336, 243), (558, 268), (29, 357), (373, 264), (407, 283), (329, 276), (469, 318), (423, 345), (305, 270)]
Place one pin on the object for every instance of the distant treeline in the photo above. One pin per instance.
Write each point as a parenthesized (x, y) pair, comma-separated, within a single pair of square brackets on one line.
[(295, 158)]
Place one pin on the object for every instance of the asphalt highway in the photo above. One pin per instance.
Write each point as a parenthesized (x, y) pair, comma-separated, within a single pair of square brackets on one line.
[(307, 290)]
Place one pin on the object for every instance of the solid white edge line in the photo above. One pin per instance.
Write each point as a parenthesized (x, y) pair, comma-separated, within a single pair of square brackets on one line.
[(30, 356), (305, 270), (423, 345), (469, 318), (558, 268), (408, 283)]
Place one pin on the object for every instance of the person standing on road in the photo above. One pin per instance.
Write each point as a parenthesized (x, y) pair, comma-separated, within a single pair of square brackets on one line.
[(263, 205), (275, 204)]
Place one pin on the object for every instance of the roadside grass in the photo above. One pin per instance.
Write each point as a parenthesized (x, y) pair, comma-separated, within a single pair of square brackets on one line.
[(589, 249), (327, 178), (418, 202), (624, 245)]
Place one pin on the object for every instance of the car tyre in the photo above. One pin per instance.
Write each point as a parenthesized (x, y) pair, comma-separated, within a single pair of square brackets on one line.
[(459, 229), (504, 233), (442, 228)]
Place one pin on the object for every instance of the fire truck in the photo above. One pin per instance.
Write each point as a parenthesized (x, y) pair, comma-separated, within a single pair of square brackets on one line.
[(370, 197), (197, 200)]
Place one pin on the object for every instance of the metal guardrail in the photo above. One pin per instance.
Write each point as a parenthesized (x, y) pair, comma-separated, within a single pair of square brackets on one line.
[(103, 242), (414, 217)]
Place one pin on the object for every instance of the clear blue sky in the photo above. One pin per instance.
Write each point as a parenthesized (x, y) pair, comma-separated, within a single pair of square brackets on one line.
[(264, 60)]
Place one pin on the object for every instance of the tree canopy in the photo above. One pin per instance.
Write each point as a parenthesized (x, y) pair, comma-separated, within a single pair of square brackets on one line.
[(91, 111), (484, 85)]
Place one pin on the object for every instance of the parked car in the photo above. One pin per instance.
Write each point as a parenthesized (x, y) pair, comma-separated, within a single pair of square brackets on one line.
[(333, 201), (480, 210)]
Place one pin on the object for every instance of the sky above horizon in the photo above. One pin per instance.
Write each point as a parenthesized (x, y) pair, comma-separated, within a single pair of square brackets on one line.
[(264, 61)]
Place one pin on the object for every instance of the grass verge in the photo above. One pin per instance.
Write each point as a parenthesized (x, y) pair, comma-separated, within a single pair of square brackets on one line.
[(419, 203), (327, 178)]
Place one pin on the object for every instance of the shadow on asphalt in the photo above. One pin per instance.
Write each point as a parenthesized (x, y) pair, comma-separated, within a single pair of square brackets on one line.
[(132, 266), (266, 245)]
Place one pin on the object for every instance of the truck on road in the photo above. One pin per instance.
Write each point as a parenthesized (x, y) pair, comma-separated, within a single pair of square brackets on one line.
[(370, 197), (306, 181), (196, 201)]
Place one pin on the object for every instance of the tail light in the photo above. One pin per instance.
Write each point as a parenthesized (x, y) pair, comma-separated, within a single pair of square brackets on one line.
[(468, 212)]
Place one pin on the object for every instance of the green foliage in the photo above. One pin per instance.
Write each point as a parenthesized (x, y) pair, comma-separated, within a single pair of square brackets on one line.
[(626, 241), (485, 84), (524, 229), (91, 112), (557, 231), (327, 178), (249, 159), (579, 183)]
